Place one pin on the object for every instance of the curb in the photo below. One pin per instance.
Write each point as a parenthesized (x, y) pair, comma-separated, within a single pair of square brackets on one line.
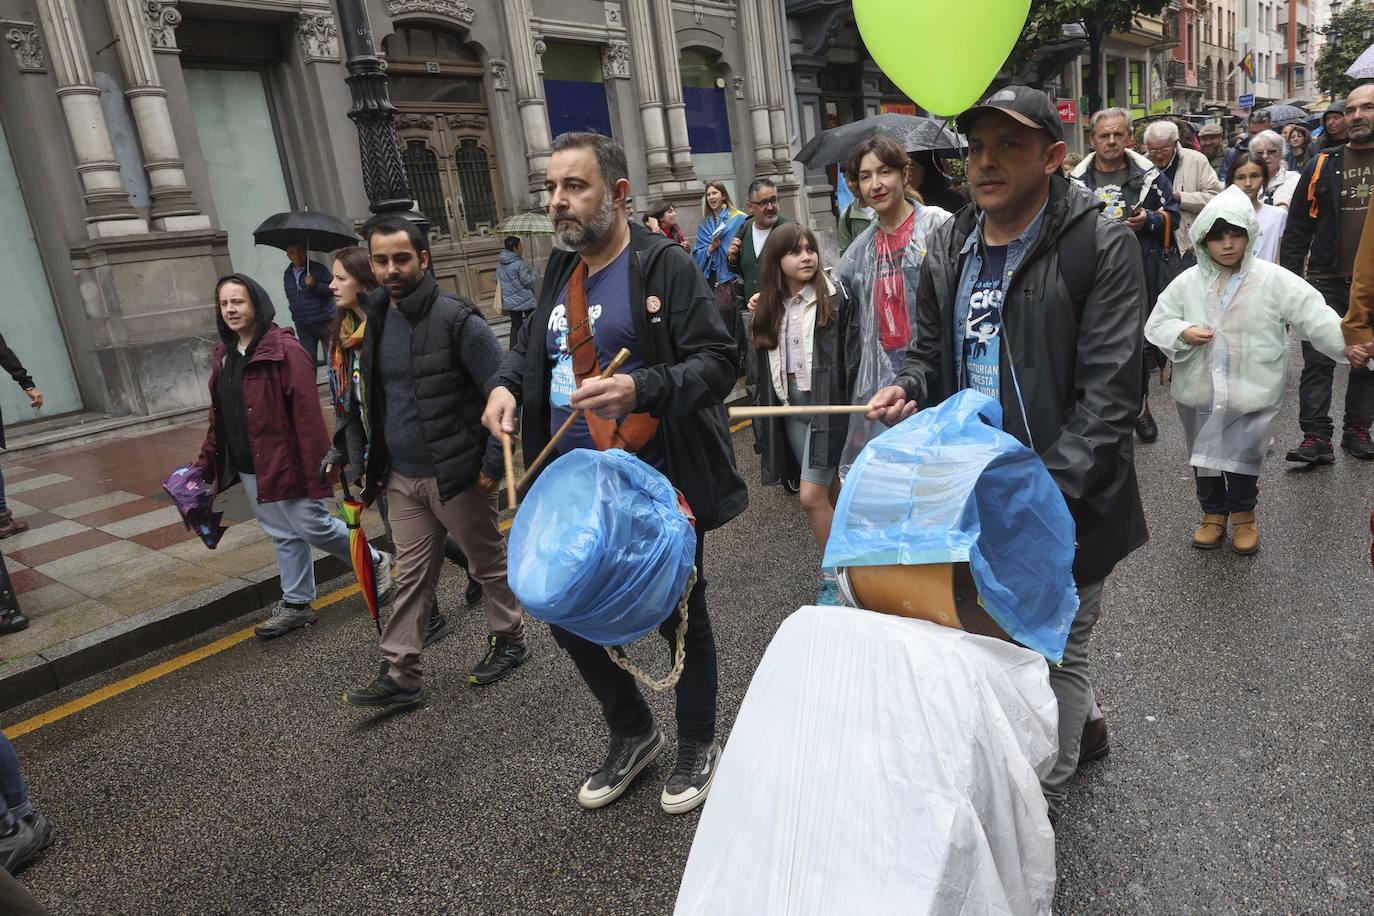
[(76, 659)]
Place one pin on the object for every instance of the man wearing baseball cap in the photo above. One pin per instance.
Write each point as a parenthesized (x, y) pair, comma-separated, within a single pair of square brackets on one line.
[(1213, 142), (1052, 293)]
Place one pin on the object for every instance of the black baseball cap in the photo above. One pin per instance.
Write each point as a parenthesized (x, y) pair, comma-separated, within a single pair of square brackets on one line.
[(1028, 106)]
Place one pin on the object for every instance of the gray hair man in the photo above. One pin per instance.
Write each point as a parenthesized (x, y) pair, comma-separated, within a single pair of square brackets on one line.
[(1188, 170)]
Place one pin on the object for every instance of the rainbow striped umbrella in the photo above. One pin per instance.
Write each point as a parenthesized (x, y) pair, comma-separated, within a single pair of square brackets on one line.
[(351, 511)]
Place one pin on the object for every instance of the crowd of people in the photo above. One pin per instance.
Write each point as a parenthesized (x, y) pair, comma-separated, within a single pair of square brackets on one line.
[(1057, 292)]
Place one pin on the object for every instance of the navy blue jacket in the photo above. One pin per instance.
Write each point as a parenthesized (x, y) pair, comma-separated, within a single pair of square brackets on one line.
[(309, 304)]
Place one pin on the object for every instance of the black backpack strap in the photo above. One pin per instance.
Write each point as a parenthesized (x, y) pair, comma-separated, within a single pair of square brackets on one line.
[(1077, 255)]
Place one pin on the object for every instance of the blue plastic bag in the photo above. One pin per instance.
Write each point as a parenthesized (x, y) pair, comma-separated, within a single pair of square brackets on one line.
[(944, 486), (600, 547)]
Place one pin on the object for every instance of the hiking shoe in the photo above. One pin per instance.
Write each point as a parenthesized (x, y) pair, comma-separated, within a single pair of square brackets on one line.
[(691, 779), (284, 619), (19, 847), (626, 758), (1096, 743), (829, 595), (11, 525), (1356, 442), (383, 691), (473, 593), (1210, 534), (1244, 533), (385, 572), (1146, 429), (13, 622), (436, 629), (42, 829), (503, 656), (1314, 450)]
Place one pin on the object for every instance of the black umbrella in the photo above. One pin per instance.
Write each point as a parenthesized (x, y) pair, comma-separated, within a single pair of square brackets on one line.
[(914, 133), (1281, 115), (318, 231)]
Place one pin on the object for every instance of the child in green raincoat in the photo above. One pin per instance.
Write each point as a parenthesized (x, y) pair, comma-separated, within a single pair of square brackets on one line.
[(1221, 322)]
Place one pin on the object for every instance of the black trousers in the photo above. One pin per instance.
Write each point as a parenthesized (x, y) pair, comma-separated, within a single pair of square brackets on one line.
[(517, 320), (1228, 493), (1318, 371), (615, 689)]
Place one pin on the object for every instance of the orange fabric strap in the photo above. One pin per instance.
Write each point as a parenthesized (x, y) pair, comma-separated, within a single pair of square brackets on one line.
[(1312, 186), (632, 433)]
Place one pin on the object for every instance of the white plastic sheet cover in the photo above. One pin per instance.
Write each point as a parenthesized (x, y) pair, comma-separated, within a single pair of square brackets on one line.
[(881, 765)]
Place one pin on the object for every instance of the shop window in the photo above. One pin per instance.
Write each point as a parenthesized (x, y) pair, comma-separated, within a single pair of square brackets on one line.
[(575, 89)]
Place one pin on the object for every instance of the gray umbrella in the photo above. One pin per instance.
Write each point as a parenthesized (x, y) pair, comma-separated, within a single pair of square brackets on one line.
[(1281, 115), (914, 133), (1363, 67)]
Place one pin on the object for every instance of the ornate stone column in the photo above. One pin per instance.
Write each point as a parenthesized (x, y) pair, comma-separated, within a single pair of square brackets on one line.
[(756, 87), (108, 211), (674, 109), (174, 206), (644, 59), (774, 65), (529, 90)]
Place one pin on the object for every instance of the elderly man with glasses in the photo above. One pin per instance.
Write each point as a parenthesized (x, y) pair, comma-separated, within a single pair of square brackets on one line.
[(1188, 170)]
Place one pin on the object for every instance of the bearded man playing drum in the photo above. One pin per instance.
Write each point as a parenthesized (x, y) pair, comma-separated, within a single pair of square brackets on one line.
[(610, 285)]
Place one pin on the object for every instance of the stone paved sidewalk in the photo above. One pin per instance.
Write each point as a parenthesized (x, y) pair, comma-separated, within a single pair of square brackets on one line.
[(106, 544)]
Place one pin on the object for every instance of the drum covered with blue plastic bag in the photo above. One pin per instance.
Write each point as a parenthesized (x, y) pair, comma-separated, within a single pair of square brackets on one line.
[(602, 547)]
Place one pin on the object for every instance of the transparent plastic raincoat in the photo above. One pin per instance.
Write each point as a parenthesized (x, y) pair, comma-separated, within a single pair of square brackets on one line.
[(858, 271), (1228, 391)]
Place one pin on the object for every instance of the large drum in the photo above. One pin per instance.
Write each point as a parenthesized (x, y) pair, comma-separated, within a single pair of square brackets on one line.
[(942, 593)]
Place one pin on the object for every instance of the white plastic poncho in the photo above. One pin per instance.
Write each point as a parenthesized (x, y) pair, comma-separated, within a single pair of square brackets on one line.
[(908, 784), (858, 271), (1228, 391)]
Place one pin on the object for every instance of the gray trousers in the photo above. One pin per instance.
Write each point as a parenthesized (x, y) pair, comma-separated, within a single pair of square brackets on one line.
[(1074, 692)]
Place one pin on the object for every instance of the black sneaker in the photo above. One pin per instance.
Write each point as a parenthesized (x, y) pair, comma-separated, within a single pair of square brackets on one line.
[(383, 691), (19, 847), (473, 594), (792, 485), (1314, 450), (1095, 743), (1146, 429), (503, 656), (13, 622), (691, 779), (1356, 442), (626, 758), (437, 627)]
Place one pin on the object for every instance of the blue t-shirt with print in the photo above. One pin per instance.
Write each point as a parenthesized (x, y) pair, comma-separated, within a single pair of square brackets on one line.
[(983, 327), (613, 328)]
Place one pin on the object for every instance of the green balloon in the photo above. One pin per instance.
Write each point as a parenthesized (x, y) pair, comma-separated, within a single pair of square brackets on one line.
[(941, 53)]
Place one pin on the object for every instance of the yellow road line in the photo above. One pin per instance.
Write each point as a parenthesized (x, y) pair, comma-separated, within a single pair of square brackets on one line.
[(181, 661)]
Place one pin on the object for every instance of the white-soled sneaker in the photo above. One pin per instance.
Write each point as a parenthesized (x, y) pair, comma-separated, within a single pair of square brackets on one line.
[(691, 779), (626, 758)]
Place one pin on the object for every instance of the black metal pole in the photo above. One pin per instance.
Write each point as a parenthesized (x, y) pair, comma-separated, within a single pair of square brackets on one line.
[(384, 175)]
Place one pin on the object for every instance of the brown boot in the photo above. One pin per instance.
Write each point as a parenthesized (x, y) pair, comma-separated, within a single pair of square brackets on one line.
[(1244, 533), (1210, 533), (11, 525)]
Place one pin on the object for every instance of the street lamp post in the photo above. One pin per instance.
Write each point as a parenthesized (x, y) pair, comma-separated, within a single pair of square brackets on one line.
[(384, 175)]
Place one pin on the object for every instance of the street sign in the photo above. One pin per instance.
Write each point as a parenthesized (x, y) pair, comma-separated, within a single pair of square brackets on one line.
[(1068, 110), (1247, 100)]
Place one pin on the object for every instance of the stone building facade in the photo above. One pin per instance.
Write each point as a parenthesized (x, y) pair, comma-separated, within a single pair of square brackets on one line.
[(142, 140)]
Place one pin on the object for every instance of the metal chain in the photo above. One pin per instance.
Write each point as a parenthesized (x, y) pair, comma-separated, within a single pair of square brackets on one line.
[(679, 649)]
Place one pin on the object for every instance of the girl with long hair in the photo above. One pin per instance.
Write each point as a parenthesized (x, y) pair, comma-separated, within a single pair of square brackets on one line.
[(1250, 173), (662, 217), (717, 229), (806, 337)]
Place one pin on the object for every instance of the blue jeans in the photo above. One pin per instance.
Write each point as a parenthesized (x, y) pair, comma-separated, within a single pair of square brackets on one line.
[(14, 795), (295, 526), (313, 337)]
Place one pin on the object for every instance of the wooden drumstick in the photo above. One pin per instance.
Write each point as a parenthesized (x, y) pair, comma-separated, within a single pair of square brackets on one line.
[(795, 410), (606, 373), (510, 468)]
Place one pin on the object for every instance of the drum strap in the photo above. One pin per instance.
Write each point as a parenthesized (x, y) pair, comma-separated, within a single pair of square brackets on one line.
[(633, 432)]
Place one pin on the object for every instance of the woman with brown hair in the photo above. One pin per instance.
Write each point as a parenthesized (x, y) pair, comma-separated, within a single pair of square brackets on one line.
[(662, 217), (353, 280), (715, 232), (807, 340)]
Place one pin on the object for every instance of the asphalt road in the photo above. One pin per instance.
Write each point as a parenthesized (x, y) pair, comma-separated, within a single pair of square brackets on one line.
[(1237, 692)]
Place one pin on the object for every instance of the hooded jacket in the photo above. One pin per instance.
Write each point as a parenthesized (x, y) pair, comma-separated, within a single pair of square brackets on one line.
[(834, 362), (1079, 370), (450, 400), (688, 370), (517, 282), (1231, 387), (1312, 237), (286, 429)]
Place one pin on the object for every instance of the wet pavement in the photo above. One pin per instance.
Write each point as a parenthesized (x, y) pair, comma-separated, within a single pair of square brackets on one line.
[(1236, 691)]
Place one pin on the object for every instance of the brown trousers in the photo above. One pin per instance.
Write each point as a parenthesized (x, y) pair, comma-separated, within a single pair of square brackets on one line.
[(418, 525)]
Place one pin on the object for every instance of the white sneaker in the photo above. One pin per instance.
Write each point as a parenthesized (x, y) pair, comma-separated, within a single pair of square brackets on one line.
[(385, 571)]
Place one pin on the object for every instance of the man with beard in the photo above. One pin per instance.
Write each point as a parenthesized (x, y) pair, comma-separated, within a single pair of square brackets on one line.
[(426, 360), (744, 254), (1334, 129), (1321, 240), (614, 285), (1213, 143)]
